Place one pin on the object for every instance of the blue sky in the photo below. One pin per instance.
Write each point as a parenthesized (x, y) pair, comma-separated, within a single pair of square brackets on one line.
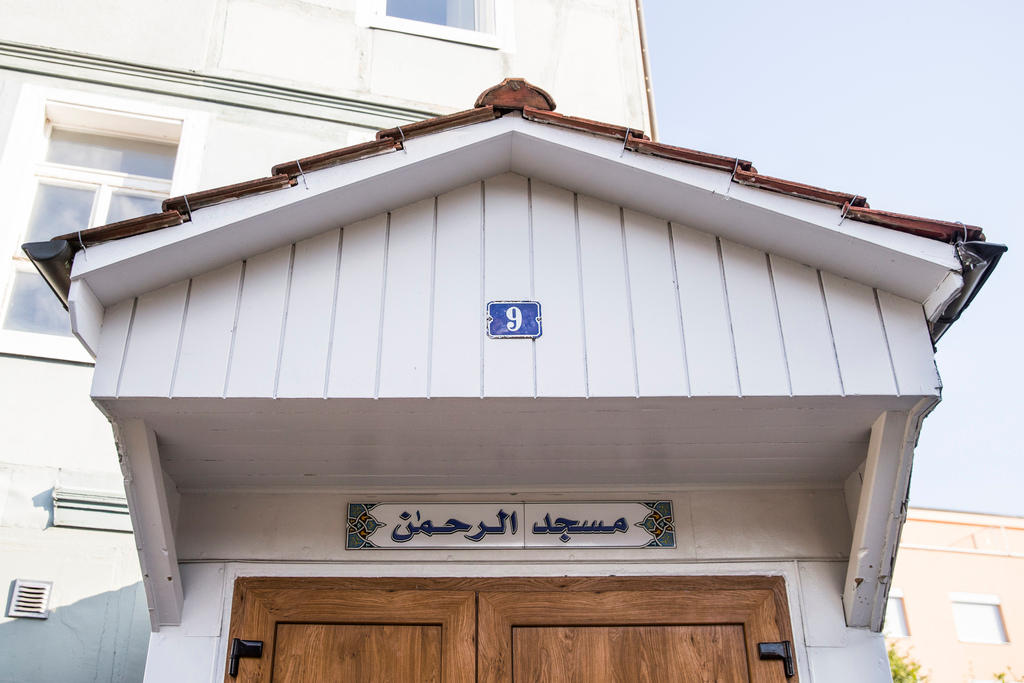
[(918, 106)]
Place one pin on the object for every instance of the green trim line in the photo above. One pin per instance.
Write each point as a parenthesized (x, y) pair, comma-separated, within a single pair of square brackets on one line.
[(235, 92)]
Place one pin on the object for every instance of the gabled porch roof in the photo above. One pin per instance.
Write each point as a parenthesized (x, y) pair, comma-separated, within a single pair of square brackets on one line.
[(513, 128), (138, 278)]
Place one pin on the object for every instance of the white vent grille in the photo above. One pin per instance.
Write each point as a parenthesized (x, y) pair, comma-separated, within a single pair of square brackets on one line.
[(30, 599)]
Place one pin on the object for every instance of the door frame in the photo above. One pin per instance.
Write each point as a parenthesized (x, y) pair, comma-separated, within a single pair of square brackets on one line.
[(254, 597)]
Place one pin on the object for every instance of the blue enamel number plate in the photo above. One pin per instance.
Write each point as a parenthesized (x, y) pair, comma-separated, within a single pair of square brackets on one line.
[(513, 319)]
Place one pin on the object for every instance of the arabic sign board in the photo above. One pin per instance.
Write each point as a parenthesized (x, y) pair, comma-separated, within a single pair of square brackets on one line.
[(613, 524), (513, 319)]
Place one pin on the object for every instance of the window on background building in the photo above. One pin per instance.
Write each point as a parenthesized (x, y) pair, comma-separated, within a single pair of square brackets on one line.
[(978, 618), (471, 22), (895, 616), (454, 13), (86, 178)]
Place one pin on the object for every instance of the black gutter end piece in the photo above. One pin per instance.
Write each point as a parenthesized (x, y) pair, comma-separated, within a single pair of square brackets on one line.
[(53, 261), (979, 260)]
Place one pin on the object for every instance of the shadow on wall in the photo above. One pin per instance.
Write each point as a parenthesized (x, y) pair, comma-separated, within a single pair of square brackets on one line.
[(104, 637), (44, 501)]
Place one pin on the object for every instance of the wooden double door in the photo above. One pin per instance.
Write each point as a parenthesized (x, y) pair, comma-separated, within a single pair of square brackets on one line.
[(590, 630)]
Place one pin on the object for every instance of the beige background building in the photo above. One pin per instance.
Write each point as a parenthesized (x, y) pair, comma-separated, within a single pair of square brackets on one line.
[(956, 605)]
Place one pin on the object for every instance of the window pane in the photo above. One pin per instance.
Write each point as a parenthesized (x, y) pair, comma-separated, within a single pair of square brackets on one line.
[(138, 157), (457, 13), (59, 210), (34, 307), (124, 206), (978, 623), (895, 619)]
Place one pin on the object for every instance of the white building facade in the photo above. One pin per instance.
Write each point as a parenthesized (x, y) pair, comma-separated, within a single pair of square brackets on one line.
[(107, 111), (505, 393)]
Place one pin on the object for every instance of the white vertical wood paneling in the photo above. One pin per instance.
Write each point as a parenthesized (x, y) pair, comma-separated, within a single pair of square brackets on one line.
[(508, 363), (353, 370), (206, 337), (709, 346), (406, 323), (805, 328), (659, 347), (610, 357), (910, 345), (860, 341), (756, 331), (110, 351), (391, 306), (458, 319), (560, 352), (255, 349), (310, 311), (153, 342)]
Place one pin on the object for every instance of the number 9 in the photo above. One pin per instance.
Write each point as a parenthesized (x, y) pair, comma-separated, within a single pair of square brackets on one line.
[(515, 317)]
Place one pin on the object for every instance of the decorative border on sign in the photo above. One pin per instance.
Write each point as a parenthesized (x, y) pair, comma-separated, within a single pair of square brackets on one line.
[(659, 524), (488, 318), (361, 525), (656, 520)]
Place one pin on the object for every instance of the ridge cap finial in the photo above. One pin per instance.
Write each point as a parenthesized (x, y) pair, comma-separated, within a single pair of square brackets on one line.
[(514, 94)]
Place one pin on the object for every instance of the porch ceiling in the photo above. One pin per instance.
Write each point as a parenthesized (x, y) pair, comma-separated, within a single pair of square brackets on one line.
[(418, 444)]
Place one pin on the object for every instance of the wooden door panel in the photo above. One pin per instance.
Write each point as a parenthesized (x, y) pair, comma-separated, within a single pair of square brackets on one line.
[(593, 629), (501, 613), (357, 653), (634, 654), (264, 608)]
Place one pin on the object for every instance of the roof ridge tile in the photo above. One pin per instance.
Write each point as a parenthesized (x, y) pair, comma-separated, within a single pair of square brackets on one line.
[(439, 123), (187, 203), (812, 192), (515, 94), (946, 231), (536, 105), (122, 229), (578, 123), (335, 157), (717, 161)]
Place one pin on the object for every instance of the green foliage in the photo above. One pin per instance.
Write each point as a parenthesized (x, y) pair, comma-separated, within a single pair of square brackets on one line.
[(1007, 677), (904, 669)]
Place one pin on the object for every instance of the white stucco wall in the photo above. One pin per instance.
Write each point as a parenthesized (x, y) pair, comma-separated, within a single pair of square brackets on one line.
[(98, 626), (267, 82), (263, 82), (52, 435), (586, 54)]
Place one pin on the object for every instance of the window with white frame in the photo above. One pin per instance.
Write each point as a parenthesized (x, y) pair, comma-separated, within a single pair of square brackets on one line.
[(466, 14), (472, 22), (978, 618), (68, 166), (895, 616), (85, 179)]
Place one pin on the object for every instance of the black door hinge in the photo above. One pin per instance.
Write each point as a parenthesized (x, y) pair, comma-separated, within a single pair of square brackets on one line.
[(243, 648), (782, 650)]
